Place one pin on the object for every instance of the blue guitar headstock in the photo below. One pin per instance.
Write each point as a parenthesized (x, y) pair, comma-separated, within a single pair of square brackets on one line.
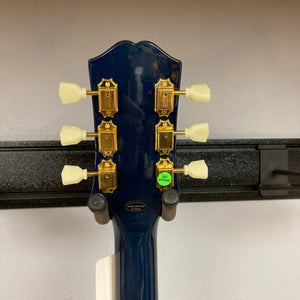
[(134, 89)]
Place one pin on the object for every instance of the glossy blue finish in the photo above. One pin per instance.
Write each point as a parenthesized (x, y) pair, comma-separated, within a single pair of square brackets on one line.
[(135, 68)]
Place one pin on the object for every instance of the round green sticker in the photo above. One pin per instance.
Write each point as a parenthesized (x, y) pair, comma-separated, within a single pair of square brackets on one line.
[(164, 178)]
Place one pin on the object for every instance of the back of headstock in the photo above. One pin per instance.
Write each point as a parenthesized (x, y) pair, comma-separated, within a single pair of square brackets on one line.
[(131, 66), (135, 89)]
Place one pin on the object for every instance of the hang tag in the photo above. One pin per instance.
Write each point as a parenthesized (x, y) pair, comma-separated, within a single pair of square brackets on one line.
[(105, 278)]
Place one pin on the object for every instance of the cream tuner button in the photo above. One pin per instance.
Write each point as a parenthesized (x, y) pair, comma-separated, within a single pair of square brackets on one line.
[(71, 92), (71, 135), (73, 175), (198, 93), (196, 169), (197, 132)]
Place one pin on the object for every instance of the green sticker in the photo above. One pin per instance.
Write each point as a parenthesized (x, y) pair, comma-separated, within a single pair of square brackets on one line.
[(164, 178)]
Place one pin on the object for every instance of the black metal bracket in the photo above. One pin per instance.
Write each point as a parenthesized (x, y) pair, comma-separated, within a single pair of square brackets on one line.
[(273, 158), (238, 170)]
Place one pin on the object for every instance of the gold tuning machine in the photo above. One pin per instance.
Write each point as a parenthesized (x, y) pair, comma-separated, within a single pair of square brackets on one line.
[(107, 95), (107, 175), (164, 95), (164, 135), (165, 172), (107, 137)]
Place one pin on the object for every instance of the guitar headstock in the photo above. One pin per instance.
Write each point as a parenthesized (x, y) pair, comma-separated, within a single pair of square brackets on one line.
[(135, 90)]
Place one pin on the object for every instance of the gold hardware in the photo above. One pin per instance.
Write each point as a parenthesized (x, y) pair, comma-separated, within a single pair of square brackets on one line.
[(165, 165), (92, 174), (107, 138), (162, 166), (92, 134), (179, 132), (164, 97), (164, 137), (108, 97), (107, 176), (179, 170)]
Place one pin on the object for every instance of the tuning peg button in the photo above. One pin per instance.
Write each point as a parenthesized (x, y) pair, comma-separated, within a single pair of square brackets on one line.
[(196, 169), (71, 135), (71, 92), (198, 93), (73, 175), (197, 132)]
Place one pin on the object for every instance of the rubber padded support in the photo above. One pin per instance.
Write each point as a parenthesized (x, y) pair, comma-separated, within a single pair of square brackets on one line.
[(169, 199), (97, 203)]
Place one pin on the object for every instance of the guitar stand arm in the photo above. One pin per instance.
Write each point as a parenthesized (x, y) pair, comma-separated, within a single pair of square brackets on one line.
[(97, 203), (170, 199)]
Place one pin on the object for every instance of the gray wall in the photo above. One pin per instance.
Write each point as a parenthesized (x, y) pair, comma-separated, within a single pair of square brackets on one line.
[(247, 51)]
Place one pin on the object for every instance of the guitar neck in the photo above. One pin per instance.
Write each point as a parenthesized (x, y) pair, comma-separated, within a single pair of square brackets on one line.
[(135, 205), (136, 263)]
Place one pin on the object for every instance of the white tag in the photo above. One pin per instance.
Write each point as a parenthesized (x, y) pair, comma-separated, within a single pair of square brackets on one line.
[(105, 278)]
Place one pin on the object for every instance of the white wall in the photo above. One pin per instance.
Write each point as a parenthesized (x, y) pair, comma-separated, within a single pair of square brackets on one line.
[(212, 251), (247, 51)]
